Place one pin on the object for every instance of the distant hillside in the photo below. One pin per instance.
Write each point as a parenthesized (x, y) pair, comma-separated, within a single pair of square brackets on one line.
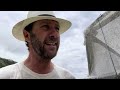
[(5, 62)]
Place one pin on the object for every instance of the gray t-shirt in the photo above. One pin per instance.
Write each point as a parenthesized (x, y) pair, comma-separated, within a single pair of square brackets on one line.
[(20, 71)]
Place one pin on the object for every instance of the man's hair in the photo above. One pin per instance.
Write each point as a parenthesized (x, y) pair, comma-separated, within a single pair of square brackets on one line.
[(28, 28)]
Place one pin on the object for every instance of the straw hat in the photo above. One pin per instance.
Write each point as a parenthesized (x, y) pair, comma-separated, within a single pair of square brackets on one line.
[(33, 16)]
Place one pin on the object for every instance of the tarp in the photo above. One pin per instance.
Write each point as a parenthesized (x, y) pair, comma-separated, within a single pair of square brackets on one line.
[(102, 40)]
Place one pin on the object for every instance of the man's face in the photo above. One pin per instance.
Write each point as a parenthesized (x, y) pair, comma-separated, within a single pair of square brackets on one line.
[(45, 38)]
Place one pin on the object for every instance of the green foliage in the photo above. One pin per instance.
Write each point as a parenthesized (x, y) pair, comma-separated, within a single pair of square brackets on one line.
[(4, 62)]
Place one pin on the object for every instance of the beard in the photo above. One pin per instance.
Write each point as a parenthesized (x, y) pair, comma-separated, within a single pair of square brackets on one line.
[(40, 47)]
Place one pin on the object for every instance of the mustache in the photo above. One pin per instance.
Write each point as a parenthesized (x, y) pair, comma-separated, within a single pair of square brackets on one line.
[(52, 39)]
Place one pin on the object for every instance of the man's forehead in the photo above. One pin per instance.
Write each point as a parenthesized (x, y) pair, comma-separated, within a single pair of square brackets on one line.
[(48, 21)]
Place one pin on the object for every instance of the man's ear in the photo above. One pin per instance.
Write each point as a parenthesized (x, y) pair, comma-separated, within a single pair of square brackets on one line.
[(26, 35)]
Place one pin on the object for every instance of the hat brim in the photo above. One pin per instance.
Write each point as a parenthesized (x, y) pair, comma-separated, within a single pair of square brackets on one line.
[(17, 30)]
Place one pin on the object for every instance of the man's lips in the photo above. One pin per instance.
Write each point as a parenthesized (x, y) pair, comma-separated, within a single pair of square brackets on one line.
[(51, 43)]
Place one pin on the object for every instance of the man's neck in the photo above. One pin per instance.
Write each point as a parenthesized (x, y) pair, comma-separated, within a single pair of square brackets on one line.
[(38, 65)]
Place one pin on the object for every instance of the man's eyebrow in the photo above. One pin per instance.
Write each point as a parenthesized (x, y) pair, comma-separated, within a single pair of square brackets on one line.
[(58, 25), (44, 22)]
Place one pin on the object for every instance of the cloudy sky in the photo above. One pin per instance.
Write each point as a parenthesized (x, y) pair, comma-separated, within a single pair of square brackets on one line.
[(72, 52)]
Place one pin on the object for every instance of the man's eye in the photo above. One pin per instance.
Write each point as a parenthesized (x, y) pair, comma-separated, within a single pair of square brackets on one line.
[(57, 28), (45, 26)]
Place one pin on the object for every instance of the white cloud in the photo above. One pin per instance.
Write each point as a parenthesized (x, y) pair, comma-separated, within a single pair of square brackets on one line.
[(72, 52)]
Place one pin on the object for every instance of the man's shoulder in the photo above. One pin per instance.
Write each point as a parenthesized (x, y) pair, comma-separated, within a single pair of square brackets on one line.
[(6, 71), (64, 72)]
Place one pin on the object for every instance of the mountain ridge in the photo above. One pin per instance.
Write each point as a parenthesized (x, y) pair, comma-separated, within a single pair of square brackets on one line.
[(4, 62)]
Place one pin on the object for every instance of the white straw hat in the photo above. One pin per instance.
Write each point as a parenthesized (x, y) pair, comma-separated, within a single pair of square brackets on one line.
[(33, 16)]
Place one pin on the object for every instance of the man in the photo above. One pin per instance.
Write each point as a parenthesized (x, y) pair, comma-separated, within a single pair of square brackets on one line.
[(41, 32)]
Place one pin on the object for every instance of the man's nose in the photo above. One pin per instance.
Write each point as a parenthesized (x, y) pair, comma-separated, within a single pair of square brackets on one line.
[(54, 33)]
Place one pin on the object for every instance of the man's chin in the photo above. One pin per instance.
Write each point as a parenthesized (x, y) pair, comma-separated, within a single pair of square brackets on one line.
[(50, 56), (50, 53)]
